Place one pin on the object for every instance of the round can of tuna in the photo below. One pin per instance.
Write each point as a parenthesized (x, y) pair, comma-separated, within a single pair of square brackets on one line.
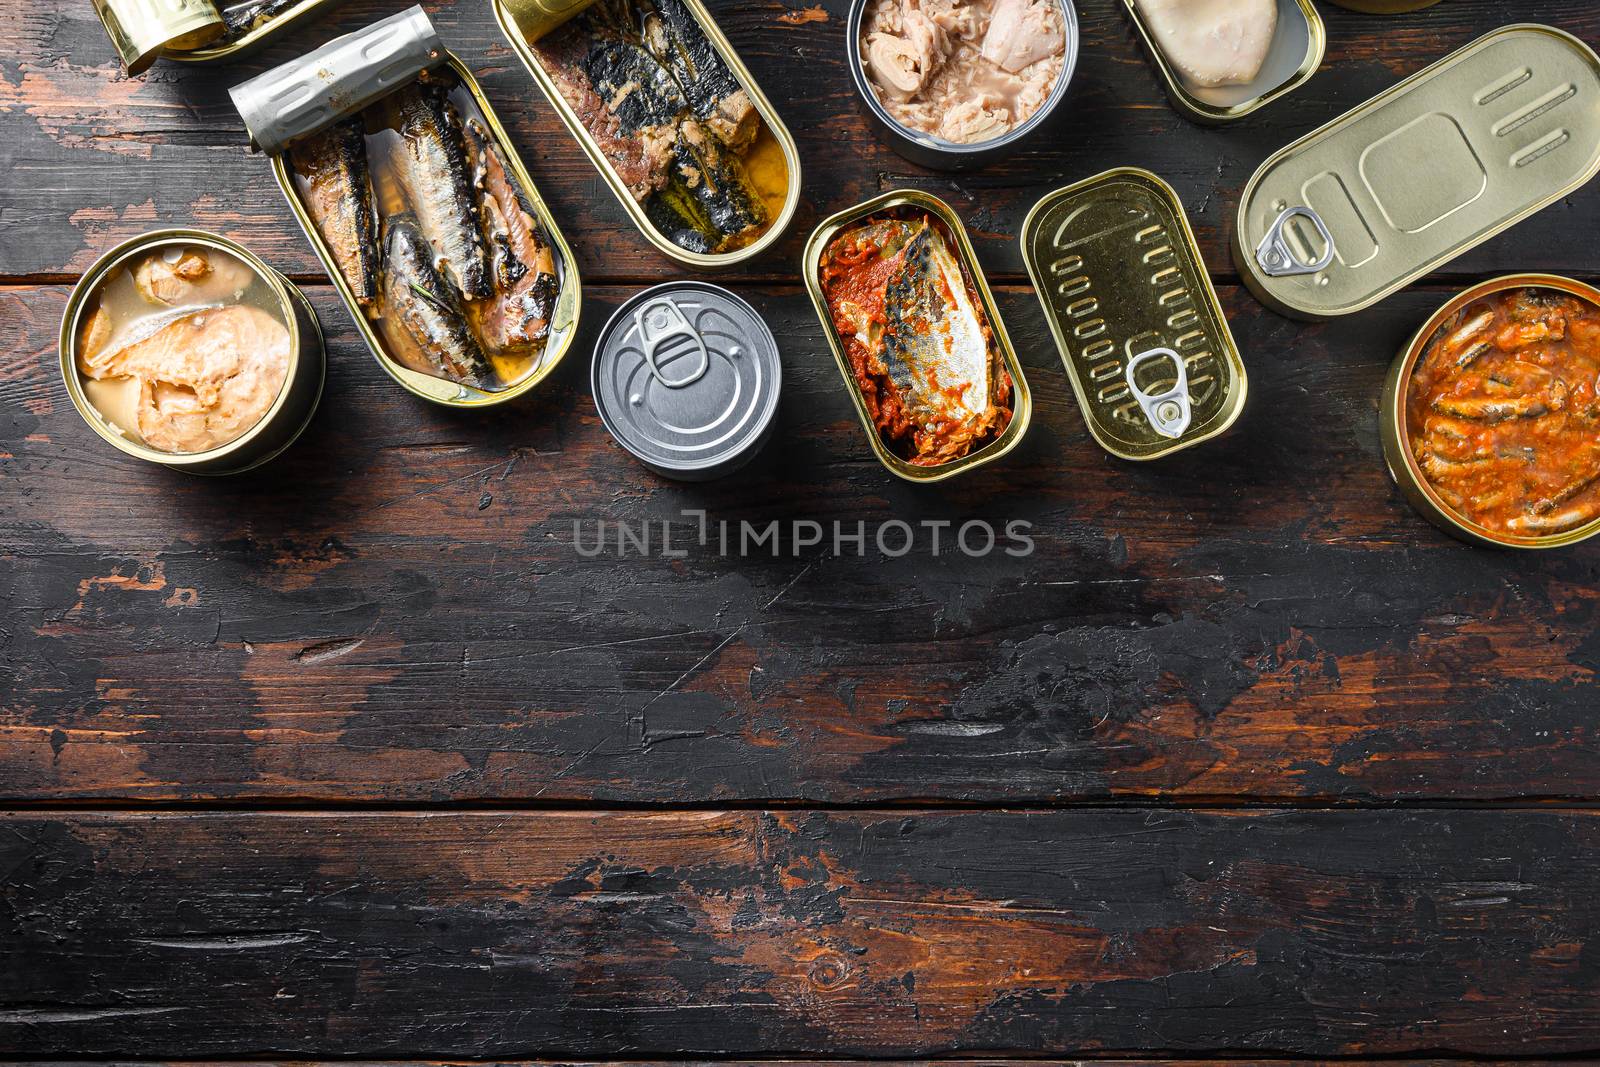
[(686, 377)]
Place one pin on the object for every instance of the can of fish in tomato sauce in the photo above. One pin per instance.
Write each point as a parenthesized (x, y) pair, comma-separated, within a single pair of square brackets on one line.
[(907, 204), (1394, 428), (686, 376), (937, 153), (1299, 42), (290, 412), (1421, 173), (303, 96)]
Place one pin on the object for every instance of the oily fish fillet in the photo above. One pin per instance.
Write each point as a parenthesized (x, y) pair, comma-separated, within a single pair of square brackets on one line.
[(1213, 42)]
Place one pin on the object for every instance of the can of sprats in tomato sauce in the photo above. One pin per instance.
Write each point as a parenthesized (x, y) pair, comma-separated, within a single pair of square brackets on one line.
[(903, 203), (297, 399), (1398, 451), (302, 96), (687, 377), (1298, 45), (1434, 166)]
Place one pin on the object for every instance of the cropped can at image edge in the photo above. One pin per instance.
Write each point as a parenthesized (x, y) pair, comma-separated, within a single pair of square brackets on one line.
[(1022, 399), (290, 412), (1392, 424), (937, 153)]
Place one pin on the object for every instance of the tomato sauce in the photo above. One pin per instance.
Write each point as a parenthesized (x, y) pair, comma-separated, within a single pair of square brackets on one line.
[(1503, 416), (855, 273)]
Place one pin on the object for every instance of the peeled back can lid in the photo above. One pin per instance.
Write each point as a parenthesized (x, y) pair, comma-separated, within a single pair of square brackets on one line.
[(686, 377)]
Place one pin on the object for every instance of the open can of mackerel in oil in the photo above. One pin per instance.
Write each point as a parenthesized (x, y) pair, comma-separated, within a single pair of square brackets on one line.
[(1421, 173), (670, 117), (1490, 417), (1133, 312), (194, 31), (1277, 66), (896, 284), (408, 189), (181, 347)]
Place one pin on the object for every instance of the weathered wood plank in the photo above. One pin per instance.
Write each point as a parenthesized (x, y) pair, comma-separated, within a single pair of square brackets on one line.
[(93, 157), (590, 935), (397, 610)]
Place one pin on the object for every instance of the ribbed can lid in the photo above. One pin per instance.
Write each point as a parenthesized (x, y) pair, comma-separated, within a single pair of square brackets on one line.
[(686, 377)]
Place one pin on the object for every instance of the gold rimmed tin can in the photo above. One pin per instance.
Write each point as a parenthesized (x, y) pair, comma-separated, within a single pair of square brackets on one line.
[(1393, 428), (531, 19), (1022, 400), (1384, 7), (1432, 167), (189, 31), (283, 422), (1298, 46), (346, 75), (1121, 277)]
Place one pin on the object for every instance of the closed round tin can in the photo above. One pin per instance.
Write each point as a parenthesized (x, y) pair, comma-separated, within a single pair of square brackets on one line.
[(686, 377), (283, 421), (1397, 446), (936, 152)]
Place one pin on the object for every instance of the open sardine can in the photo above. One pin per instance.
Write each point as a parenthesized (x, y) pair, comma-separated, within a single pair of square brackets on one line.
[(769, 169), (289, 412), (1299, 42), (306, 96), (194, 31), (1410, 180), (1394, 426), (1134, 314), (909, 203)]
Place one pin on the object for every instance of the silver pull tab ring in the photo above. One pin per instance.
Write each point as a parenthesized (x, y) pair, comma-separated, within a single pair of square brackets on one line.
[(1278, 258), (1169, 412), (660, 321)]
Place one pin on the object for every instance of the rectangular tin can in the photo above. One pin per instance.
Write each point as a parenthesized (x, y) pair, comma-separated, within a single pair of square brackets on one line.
[(188, 31), (282, 424), (1022, 400), (538, 17), (1392, 427), (1297, 49), (1448, 158), (393, 51), (1119, 273)]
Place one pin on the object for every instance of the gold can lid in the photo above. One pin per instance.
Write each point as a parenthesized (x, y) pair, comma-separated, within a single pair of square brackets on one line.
[(535, 18), (141, 30), (1408, 181), (1135, 316)]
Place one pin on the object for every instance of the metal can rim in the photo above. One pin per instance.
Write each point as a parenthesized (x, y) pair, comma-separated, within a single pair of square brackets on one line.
[(1396, 434), (1022, 406), (89, 283), (757, 436), (957, 149), (211, 53)]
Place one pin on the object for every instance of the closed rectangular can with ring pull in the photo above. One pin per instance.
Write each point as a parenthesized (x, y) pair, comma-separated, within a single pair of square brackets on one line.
[(1408, 181), (1135, 316)]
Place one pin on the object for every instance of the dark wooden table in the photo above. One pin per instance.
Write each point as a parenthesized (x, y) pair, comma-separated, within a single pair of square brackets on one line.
[(357, 756)]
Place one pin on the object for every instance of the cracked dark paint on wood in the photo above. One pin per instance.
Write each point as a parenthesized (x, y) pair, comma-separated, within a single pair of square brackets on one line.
[(592, 935), (396, 610), (102, 157)]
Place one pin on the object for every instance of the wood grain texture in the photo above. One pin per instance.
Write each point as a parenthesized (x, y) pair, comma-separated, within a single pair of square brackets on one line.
[(93, 157), (397, 610), (507, 934)]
